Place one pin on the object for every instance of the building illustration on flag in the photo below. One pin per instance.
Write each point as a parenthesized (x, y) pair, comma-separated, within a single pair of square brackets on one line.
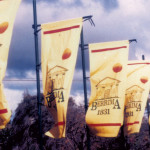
[(55, 84), (56, 77), (134, 93), (107, 88)]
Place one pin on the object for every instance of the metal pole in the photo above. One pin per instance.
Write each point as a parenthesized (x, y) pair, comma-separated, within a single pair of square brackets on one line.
[(143, 58), (84, 85), (84, 73), (35, 26)]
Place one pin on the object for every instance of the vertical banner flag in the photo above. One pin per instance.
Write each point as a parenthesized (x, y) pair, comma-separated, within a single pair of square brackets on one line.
[(137, 90), (8, 9), (60, 42), (108, 79)]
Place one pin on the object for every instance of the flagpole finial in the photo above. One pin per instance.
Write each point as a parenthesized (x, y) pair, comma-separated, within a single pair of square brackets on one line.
[(143, 57), (89, 18), (132, 40)]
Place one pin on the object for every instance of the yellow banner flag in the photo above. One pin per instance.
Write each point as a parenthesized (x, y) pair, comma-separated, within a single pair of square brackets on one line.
[(137, 90), (60, 41), (8, 9), (108, 79)]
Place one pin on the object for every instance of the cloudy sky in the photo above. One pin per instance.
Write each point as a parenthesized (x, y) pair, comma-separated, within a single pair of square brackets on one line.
[(114, 20)]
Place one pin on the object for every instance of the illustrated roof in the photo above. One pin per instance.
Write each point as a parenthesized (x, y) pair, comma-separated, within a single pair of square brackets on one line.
[(134, 87), (107, 80), (57, 68)]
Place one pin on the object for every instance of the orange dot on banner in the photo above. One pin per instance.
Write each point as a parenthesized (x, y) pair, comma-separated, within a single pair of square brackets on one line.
[(66, 54), (3, 27), (144, 79), (117, 67)]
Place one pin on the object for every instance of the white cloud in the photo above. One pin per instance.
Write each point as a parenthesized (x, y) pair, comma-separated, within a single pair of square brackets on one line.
[(13, 97), (139, 53), (78, 74), (132, 8), (24, 16), (31, 74), (79, 98), (67, 1)]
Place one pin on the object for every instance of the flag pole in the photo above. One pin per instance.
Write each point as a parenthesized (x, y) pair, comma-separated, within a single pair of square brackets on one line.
[(82, 45), (84, 72), (143, 58), (84, 86), (35, 27)]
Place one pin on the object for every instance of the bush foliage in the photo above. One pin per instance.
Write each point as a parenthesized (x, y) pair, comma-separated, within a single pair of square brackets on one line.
[(23, 134)]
